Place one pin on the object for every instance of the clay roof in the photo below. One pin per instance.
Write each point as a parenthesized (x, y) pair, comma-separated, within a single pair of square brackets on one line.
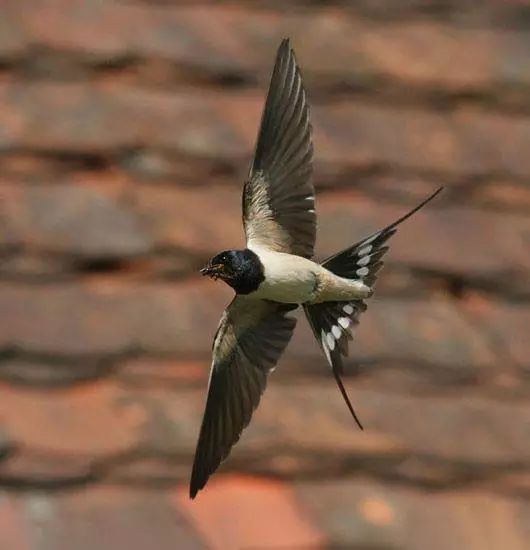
[(126, 130)]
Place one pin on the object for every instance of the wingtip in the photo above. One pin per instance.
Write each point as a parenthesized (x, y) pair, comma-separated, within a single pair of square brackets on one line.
[(194, 490), (196, 484), (285, 46)]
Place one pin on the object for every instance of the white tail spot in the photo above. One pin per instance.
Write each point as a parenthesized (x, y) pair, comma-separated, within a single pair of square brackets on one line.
[(363, 261), (372, 238), (325, 347), (344, 322), (347, 309), (362, 272), (335, 329), (365, 250), (330, 341)]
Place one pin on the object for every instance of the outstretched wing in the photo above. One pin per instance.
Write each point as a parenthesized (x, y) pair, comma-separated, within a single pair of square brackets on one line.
[(278, 198), (251, 337)]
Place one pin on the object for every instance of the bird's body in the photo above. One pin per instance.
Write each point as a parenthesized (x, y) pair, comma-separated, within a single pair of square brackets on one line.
[(275, 274), (292, 279)]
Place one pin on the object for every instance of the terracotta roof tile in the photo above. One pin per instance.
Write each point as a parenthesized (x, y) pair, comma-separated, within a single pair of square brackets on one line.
[(93, 421), (15, 526), (99, 118), (364, 514), (268, 515), (411, 51), (110, 518), (125, 135)]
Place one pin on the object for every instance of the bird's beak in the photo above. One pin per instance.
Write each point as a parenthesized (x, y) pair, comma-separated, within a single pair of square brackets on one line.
[(213, 271)]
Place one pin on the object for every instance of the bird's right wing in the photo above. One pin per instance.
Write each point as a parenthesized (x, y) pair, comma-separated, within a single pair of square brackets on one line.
[(251, 337), (279, 198)]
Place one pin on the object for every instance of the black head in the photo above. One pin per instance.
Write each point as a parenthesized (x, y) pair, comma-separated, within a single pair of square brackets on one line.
[(241, 269)]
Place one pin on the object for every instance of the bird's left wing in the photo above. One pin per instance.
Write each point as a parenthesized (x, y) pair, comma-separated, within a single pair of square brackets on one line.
[(278, 198), (251, 337)]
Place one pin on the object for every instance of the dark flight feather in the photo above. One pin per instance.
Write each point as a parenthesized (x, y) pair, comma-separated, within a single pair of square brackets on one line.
[(278, 198), (250, 339)]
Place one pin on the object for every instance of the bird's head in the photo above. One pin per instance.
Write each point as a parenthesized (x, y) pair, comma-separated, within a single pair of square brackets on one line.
[(241, 269), (224, 265)]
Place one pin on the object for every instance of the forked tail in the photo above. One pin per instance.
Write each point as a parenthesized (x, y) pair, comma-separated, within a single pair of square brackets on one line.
[(333, 322)]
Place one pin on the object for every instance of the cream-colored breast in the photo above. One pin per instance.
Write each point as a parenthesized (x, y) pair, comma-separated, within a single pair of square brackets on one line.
[(288, 278)]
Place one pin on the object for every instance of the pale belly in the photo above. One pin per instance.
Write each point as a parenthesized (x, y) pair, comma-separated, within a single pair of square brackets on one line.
[(296, 280), (288, 279)]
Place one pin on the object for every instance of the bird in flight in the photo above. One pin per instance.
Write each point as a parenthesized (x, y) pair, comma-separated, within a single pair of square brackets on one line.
[(275, 274)]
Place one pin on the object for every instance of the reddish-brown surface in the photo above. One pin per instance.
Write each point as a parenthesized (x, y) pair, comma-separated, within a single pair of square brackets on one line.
[(125, 133)]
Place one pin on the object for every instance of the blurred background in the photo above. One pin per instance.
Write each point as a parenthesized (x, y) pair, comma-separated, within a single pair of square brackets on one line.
[(126, 129)]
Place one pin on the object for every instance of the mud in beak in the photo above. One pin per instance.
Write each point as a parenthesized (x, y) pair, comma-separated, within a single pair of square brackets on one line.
[(213, 271)]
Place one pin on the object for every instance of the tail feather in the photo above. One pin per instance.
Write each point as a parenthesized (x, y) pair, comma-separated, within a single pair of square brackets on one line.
[(333, 322), (363, 260)]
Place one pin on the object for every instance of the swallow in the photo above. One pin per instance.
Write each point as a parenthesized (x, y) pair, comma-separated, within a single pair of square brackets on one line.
[(275, 274)]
